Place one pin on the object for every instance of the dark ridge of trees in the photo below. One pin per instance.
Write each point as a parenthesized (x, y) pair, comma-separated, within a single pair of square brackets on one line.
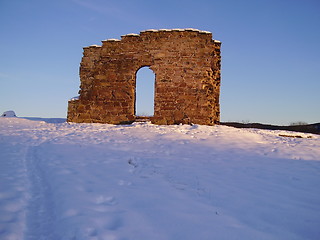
[(305, 128)]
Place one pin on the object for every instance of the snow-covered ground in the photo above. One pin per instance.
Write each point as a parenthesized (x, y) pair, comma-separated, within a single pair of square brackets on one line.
[(61, 181)]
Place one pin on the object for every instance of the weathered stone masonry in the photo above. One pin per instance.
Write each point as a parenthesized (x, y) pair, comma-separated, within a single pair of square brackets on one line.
[(186, 63)]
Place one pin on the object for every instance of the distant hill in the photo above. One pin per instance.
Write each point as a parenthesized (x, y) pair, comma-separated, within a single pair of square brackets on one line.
[(307, 128)]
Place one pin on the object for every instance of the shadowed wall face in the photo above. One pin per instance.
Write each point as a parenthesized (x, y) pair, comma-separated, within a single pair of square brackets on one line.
[(186, 64)]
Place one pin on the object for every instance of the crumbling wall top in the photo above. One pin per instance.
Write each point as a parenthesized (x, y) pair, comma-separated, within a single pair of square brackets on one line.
[(151, 31)]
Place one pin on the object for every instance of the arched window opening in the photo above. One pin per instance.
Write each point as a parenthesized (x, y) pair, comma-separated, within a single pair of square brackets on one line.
[(144, 102)]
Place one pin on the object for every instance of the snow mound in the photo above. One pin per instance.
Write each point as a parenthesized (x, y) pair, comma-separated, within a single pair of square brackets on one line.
[(9, 114)]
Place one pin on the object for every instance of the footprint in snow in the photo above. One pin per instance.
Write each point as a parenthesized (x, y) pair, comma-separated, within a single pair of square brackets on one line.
[(91, 232), (71, 213), (8, 196), (8, 218), (102, 200), (114, 223), (124, 183), (13, 207)]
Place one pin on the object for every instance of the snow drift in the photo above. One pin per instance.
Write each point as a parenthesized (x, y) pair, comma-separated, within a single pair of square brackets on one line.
[(9, 114)]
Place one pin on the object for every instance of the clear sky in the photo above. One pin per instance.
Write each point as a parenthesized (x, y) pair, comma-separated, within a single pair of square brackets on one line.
[(270, 51)]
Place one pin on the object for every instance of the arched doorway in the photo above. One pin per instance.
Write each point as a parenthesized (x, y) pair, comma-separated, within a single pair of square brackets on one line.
[(144, 95)]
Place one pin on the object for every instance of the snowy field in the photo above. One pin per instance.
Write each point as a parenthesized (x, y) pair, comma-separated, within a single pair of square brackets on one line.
[(61, 181)]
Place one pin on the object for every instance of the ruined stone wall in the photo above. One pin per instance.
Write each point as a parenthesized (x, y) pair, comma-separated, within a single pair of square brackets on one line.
[(186, 63)]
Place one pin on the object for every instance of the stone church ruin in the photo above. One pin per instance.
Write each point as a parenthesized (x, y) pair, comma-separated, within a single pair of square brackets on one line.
[(186, 64)]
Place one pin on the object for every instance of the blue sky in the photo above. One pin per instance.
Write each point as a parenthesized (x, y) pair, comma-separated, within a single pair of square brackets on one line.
[(270, 51)]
